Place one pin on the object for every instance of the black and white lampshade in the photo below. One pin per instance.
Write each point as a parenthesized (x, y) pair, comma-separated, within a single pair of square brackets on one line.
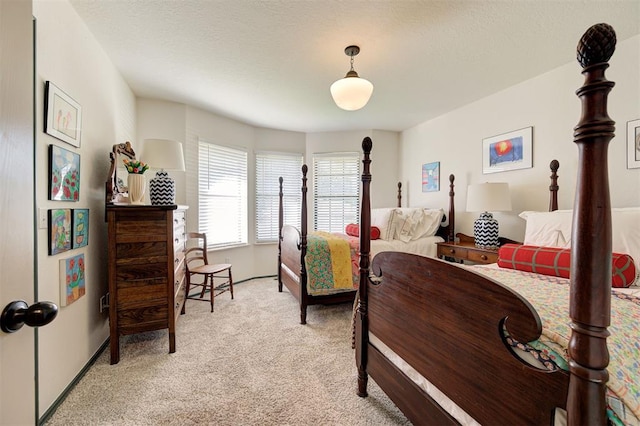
[(163, 155), (162, 189), (486, 197)]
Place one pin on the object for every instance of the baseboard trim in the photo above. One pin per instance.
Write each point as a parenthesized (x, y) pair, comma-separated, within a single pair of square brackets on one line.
[(73, 383), (92, 361)]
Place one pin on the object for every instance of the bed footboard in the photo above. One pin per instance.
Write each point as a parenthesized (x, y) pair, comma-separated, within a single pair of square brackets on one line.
[(415, 307)]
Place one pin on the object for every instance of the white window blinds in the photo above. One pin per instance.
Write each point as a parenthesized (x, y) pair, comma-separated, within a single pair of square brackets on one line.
[(270, 166), (336, 195), (222, 195)]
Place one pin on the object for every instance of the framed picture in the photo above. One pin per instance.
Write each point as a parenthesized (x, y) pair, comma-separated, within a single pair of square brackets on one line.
[(59, 231), (64, 174), (62, 115), (431, 177), (80, 228), (633, 144), (72, 284), (508, 151)]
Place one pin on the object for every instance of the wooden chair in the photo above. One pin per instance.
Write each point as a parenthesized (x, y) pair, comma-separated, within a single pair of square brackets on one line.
[(196, 263)]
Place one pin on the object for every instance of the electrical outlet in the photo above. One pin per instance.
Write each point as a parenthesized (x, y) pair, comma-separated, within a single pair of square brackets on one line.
[(227, 260), (42, 218), (104, 302)]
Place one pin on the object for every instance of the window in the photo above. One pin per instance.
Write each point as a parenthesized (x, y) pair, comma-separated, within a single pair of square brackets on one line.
[(222, 195), (336, 195), (270, 166)]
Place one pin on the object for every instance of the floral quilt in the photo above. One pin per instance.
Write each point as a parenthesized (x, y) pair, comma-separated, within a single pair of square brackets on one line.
[(550, 297), (331, 262)]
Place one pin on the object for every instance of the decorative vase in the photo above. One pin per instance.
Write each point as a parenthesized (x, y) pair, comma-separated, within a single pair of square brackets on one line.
[(162, 189), (137, 185), (485, 231)]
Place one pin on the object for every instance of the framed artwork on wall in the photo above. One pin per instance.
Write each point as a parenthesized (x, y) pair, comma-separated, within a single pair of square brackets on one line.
[(59, 231), (633, 144), (72, 283), (62, 115), (508, 151), (431, 177), (80, 228), (64, 174)]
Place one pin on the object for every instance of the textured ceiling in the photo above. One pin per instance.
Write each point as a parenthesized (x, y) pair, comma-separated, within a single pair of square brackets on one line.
[(270, 63)]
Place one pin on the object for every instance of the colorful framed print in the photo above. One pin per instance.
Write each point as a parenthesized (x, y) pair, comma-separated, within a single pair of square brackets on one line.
[(63, 115), (508, 151), (59, 231), (431, 177), (633, 144), (80, 228), (72, 283), (64, 174)]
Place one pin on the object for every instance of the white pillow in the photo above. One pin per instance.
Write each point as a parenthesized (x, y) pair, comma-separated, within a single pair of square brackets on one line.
[(548, 229), (408, 224), (381, 218), (553, 229)]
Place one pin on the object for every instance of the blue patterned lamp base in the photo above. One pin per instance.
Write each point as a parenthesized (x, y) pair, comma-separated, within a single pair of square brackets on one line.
[(485, 231), (162, 190)]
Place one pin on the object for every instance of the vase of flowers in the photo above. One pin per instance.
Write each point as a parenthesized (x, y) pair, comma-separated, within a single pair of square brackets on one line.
[(136, 180)]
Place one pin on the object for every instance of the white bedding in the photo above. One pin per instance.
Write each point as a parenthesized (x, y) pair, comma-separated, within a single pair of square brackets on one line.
[(425, 246)]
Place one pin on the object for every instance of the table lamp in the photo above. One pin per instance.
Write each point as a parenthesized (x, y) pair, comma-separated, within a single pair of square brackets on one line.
[(165, 155), (485, 197)]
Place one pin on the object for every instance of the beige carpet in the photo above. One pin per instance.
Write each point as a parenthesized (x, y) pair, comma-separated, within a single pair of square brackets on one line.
[(248, 363)]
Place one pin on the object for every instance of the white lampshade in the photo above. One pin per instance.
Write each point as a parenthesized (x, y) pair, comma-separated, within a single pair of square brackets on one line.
[(488, 197), (163, 154), (352, 92)]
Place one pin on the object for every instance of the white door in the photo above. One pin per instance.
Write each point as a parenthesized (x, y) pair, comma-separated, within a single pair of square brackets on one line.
[(17, 372)]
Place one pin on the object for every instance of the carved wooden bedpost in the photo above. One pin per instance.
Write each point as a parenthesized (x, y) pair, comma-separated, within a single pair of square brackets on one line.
[(362, 325), (303, 248), (280, 225), (399, 194), (553, 188), (591, 237)]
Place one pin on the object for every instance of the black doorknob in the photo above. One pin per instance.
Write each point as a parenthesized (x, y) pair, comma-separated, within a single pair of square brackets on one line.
[(18, 313)]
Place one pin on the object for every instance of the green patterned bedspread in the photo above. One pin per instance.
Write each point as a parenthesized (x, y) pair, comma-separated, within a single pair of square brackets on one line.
[(331, 262)]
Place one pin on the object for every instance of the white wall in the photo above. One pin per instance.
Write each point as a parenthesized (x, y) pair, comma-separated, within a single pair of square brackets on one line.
[(69, 56), (384, 160), (549, 104)]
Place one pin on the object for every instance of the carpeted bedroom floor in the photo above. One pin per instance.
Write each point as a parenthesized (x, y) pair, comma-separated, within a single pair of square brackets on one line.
[(248, 363)]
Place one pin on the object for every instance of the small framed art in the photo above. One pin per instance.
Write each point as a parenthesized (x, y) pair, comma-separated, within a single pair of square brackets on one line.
[(63, 115), (72, 283), (633, 144), (64, 174), (508, 151), (59, 231), (431, 177), (80, 228)]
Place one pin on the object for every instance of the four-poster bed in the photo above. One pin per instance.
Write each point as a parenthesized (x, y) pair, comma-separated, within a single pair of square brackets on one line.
[(295, 246), (424, 323)]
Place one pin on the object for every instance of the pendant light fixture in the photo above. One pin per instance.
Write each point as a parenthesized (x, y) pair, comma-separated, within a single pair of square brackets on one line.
[(351, 92)]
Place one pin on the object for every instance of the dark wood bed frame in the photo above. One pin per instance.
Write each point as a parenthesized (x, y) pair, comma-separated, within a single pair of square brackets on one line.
[(446, 321), (292, 248)]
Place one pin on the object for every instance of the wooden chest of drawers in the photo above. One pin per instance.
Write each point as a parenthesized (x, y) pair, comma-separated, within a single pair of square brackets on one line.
[(146, 270)]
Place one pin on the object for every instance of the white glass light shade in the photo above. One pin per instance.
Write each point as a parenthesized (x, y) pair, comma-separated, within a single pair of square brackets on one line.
[(351, 93), (163, 154), (488, 197)]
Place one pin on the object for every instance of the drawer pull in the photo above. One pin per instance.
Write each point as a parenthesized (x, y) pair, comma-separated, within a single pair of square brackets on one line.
[(484, 257), (452, 251)]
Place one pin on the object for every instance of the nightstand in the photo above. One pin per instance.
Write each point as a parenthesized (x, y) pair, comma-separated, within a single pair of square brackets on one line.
[(466, 250)]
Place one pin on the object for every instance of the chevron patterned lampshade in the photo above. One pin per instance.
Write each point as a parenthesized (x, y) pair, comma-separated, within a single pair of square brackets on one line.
[(485, 197), (164, 155)]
